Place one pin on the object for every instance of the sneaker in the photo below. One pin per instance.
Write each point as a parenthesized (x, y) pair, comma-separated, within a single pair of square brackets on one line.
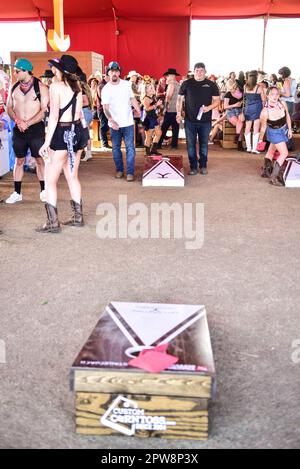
[(193, 172), (43, 196), (203, 171), (14, 197), (119, 175), (88, 156), (130, 178), (105, 148)]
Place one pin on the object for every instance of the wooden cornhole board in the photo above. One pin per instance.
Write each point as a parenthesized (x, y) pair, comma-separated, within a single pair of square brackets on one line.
[(292, 173), (165, 172), (113, 398)]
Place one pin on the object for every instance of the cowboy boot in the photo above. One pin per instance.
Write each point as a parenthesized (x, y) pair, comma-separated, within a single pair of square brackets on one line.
[(52, 224), (248, 142), (148, 151), (267, 169), (274, 176), (255, 143), (154, 150), (77, 215)]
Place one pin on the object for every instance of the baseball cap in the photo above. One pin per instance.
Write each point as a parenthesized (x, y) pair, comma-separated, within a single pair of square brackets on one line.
[(23, 64), (199, 65), (113, 66)]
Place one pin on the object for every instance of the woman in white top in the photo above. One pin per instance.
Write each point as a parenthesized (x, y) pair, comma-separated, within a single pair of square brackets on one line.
[(64, 142)]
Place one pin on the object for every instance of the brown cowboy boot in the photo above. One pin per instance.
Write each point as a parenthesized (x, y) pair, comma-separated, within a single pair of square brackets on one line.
[(154, 150), (274, 176), (267, 169), (52, 224), (77, 216)]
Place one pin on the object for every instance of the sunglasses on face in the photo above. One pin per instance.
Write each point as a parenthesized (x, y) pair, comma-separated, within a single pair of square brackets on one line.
[(18, 71)]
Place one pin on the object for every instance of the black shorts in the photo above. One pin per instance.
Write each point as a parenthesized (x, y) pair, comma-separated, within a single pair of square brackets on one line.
[(33, 139), (79, 140)]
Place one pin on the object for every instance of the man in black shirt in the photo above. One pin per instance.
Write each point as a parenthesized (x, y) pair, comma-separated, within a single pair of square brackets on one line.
[(200, 96)]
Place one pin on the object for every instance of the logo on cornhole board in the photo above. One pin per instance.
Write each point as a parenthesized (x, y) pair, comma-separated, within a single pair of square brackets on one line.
[(125, 416), (151, 324)]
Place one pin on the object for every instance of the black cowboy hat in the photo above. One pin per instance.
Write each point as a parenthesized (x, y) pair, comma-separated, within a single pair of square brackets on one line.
[(172, 71), (47, 74), (66, 64)]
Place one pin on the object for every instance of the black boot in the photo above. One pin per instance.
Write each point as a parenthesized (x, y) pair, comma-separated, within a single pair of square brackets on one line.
[(77, 215), (154, 150), (148, 151), (267, 169), (274, 176), (52, 225), (240, 145)]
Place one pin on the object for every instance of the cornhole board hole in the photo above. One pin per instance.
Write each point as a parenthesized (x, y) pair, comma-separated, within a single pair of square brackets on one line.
[(163, 172), (113, 398), (292, 173), (4, 153)]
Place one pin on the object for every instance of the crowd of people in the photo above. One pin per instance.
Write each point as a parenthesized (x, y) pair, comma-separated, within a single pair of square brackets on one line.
[(52, 119)]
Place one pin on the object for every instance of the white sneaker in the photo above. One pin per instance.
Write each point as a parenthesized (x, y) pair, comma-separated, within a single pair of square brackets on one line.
[(13, 198), (43, 196), (88, 156)]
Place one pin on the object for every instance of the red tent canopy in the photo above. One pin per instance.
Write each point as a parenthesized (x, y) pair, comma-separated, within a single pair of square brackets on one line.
[(151, 36), (28, 9)]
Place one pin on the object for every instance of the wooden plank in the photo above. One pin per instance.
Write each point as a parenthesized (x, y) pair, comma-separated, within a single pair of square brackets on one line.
[(140, 382), (228, 144), (188, 418)]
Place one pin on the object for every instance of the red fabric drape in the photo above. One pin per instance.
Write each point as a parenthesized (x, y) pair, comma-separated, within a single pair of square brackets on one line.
[(147, 45)]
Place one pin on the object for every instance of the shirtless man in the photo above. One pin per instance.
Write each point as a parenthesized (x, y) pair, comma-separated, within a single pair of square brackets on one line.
[(27, 104)]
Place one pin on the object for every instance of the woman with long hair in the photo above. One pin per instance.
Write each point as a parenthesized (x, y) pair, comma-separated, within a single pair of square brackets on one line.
[(275, 119), (151, 125), (233, 103), (64, 142), (254, 100)]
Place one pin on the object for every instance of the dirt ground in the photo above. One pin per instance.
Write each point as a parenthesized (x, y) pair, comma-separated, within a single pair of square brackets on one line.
[(55, 287)]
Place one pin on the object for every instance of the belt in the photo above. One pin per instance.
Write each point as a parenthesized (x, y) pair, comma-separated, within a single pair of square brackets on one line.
[(68, 124)]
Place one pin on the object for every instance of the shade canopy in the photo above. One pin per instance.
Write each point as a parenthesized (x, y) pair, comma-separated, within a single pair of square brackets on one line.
[(28, 9), (149, 36)]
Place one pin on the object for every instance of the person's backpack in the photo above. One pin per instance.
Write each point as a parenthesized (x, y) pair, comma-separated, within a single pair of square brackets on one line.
[(36, 86)]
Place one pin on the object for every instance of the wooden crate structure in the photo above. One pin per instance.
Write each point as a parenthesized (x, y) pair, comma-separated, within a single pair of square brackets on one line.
[(228, 136), (112, 398)]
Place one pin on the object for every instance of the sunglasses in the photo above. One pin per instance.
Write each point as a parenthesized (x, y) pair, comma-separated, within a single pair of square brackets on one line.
[(18, 71)]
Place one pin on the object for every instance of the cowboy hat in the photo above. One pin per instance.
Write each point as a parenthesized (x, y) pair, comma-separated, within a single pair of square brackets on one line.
[(172, 71), (66, 64)]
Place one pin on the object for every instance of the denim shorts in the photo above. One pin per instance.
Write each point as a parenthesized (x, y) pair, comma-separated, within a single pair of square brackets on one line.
[(88, 115), (234, 112), (150, 123), (277, 135)]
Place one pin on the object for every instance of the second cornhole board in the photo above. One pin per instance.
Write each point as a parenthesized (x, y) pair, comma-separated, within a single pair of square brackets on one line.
[(292, 173)]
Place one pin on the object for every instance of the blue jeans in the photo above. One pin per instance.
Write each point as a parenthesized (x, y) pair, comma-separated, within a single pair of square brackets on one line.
[(127, 133), (202, 130), (103, 128)]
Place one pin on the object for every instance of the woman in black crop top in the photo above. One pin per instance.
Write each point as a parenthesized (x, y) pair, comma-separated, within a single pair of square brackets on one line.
[(275, 119), (151, 125), (64, 142)]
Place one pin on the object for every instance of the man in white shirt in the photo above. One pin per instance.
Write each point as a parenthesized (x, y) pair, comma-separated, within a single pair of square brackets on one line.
[(117, 100)]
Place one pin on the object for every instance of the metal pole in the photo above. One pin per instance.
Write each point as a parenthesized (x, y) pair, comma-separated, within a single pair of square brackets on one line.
[(266, 19)]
